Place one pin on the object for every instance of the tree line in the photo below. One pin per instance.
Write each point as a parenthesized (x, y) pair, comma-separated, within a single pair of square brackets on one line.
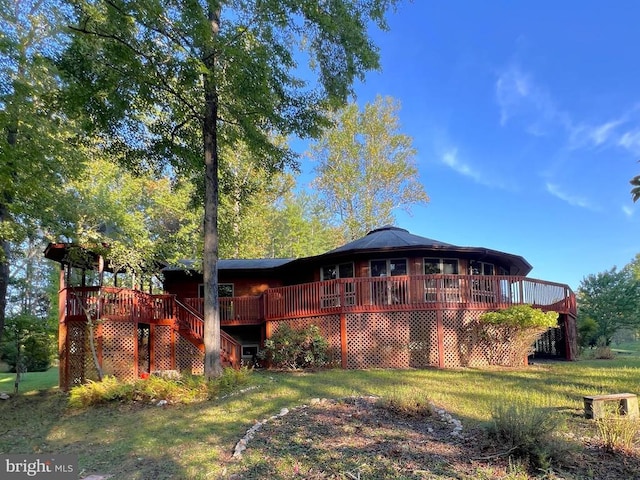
[(609, 306)]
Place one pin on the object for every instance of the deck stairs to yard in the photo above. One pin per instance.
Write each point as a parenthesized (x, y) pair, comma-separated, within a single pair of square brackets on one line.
[(190, 325)]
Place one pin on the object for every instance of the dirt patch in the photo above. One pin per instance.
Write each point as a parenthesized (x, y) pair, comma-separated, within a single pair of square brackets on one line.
[(357, 438)]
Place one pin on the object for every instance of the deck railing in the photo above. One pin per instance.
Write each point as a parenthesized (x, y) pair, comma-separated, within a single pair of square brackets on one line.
[(116, 304), (122, 304), (425, 292), (233, 310)]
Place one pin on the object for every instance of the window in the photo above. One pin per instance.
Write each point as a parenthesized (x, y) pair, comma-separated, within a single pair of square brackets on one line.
[(224, 290), (482, 290), (447, 266), (331, 272), (250, 354), (388, 268), (331, 291), (480, 268), (393, 291), (447, 287)]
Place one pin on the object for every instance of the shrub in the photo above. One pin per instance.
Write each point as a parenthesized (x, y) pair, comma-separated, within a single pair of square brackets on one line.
[(521, 316), (94, 393), (290, 348), (506, 336), (408, 401), (617, 432), (603, 350), (526, 431), (186, 389)]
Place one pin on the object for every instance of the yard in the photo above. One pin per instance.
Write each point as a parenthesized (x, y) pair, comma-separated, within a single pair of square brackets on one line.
[(353, 437)]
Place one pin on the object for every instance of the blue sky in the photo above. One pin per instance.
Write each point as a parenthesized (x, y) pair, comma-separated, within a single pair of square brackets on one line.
[(526, 119)]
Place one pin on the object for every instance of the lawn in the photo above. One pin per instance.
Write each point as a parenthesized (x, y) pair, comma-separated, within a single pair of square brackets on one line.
[(30, 381), (195, 441)]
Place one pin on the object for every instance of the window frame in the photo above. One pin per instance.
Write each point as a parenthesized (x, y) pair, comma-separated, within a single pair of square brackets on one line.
[(233, 290)]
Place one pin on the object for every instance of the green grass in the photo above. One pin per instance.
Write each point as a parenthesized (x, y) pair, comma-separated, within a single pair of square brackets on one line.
[(195, 441), (30, 381), (627, 348)]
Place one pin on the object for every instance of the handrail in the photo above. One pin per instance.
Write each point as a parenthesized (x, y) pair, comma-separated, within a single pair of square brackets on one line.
[(417, 292), (194, 324), (233, 310)]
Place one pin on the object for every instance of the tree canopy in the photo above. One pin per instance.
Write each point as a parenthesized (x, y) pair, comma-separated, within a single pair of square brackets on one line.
[(611, 299), (366, 167), (39, 147), (172, 84)]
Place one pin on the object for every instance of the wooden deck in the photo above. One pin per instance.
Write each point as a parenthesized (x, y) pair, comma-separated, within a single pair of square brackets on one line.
[(386, 322), (420, 292), (402, 293)]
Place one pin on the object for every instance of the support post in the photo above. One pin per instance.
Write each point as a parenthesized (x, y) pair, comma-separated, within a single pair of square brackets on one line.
[(440, 333), (63, 375), (343, 340)]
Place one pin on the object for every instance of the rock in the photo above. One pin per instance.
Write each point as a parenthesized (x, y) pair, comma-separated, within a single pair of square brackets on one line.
[(4, 396), (162, 403)]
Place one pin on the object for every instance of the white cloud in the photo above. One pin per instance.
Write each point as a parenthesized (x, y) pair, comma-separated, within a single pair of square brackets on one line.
[(601, 133), (572, 200), (630, 140), (450, 159), (627, 210), (518, 96)]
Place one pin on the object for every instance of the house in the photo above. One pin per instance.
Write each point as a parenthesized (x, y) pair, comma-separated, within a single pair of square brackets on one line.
[(391, 299)]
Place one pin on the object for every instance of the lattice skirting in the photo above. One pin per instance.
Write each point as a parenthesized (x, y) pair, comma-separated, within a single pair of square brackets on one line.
[(119, 350), (163, 353), (410, 339), (391, 340), (189, 359)]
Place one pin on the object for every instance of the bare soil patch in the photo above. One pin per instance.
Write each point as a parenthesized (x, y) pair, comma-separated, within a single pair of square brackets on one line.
[(357, 438)]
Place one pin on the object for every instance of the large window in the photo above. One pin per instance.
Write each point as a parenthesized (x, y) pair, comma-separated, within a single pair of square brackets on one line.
[(331, 292), (482, 290), (447, 288), (389, 291), (224, 290), (331, 272), (447, 266), (389, 268), (480, 268)]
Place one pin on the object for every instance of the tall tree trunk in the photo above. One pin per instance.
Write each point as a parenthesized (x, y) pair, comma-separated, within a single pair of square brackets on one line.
[(212, 360), (5, 252), (5, 246)]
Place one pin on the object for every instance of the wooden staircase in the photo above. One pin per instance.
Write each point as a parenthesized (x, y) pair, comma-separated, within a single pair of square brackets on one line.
[(190, 324)]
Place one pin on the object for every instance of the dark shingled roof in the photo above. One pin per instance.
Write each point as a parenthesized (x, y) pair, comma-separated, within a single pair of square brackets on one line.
[(389, 237), (384, 239), (237, 264)]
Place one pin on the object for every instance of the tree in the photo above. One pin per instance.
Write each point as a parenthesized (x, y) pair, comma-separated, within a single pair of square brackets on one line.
[(173, 83), (38, 146), (366, 167), (30, 327), (635, 191), (612, 299), (143, 218)]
